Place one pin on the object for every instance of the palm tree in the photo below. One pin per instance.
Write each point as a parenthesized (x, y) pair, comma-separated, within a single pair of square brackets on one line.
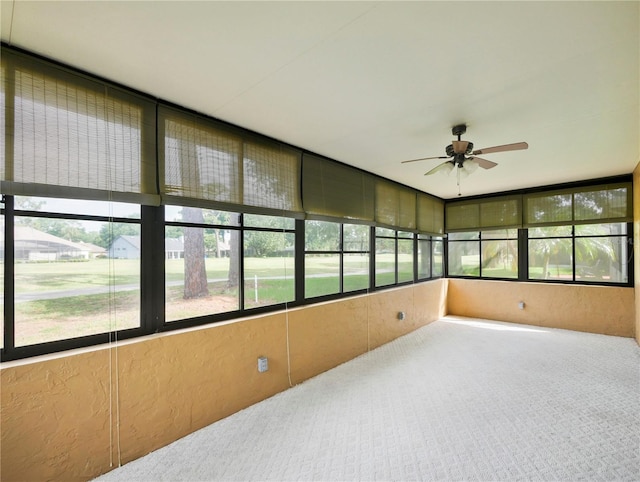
[(548, 249)]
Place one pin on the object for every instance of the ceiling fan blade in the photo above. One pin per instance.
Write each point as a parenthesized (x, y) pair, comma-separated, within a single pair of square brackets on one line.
[(507, 147), (460, 147), (425, 159), (446, 167), (483, 163)]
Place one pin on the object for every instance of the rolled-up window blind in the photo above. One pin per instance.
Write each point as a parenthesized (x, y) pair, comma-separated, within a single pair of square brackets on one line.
[(430, 215), (395, 205), (548, 209), (333, 191), (272, 177), (75, 137), (605, 204), (209, 164), (463, 217), (199, 162), (502, 212), (498, 212), (609, 203)]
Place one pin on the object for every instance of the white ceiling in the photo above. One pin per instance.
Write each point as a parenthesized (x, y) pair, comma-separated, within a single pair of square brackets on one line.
[(373, 83)]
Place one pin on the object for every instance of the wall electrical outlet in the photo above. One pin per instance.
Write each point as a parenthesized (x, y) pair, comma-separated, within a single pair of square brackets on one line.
[(263, 364)]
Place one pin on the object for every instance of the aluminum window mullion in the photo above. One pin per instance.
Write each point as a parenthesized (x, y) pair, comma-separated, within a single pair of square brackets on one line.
[(299, 269), (9, 271), (341, 255), (573, 252), (152, 269)]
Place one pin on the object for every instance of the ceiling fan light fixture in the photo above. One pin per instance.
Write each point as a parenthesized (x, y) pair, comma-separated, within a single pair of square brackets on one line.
[(447, 168), (470, 166), (444, 168)]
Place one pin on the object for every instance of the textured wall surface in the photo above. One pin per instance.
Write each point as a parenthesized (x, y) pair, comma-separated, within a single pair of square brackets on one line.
[(60, 414), (325, 335), (172, 385), (74, 415), (421, 305), (595, 309), (55, 418)]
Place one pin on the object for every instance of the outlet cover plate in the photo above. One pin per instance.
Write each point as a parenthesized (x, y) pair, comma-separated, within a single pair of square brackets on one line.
[(263, 364)]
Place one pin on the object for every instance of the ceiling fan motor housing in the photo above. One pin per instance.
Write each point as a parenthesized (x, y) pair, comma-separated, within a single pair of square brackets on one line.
[(451, 151)]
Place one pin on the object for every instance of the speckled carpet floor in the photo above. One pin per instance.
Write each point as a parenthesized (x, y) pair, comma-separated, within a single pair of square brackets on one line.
[(459, 399)]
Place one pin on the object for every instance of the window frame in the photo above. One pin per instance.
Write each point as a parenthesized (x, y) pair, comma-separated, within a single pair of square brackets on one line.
[(9, 349), (572, 237), (395, 236), (340, 252)]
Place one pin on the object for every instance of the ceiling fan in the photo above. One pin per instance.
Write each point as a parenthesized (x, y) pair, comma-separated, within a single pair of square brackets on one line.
[(460, 154)]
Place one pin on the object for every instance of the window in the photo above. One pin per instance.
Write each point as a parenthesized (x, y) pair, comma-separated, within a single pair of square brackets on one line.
[(430, 260), (336, 258), (601, 253), (424, 256), (269, 260), (355, 257), (591, 253), (464, 254), (580, 234), (486, 254), (405, 257), (322, 258), (210, 271), (551, 253), (437, 257), (499, 253), (394, 257), (202, 262), (385, 257), (68, 280)]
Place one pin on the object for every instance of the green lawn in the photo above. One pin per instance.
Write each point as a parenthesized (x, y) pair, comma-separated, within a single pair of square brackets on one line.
[(38, 277), (78, 314)]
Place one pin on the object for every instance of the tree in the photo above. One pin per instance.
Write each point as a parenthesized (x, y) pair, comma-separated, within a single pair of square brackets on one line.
[(234, 259), (496, 252), (69, 229), (321, 236), (109, 232), (355, 237), (29, 203), (195, 273)]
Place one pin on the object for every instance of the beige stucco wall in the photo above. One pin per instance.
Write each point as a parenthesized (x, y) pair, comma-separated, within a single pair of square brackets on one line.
[(75, 415), (595, 309)]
